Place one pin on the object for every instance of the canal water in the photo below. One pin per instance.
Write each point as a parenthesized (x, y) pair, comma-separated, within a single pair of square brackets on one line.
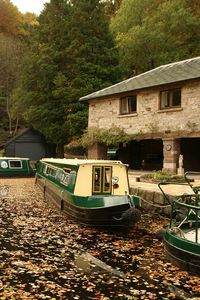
[(45, 255)]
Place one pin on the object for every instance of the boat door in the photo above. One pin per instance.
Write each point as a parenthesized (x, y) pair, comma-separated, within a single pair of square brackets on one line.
[(102, 180)]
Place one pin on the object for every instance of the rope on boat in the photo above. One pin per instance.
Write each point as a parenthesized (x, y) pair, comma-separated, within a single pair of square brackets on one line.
[(153, 204), (177, 230)]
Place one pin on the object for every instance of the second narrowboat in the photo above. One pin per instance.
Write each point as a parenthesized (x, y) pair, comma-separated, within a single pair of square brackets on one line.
[(16, 166), (182, 237)]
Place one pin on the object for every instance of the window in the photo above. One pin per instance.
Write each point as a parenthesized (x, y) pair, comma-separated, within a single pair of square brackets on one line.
[(102, 180), (66, 170), (60, 175), (107, 180), (97, 179), (50, 171), (128, 105), (15, 164), (65, 178), (170, 99)]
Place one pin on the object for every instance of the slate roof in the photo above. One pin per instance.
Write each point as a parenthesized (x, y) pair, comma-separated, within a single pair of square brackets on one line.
[(24, 131), (165, 74)]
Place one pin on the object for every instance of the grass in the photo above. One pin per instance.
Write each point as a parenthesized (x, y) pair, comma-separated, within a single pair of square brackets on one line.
[(162, 176)]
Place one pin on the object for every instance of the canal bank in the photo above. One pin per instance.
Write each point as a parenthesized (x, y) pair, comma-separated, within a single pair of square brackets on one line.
[(150, 193)]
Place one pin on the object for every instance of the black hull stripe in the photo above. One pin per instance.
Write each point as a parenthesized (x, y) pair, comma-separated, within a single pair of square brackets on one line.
[(184, 259), (86, 216)]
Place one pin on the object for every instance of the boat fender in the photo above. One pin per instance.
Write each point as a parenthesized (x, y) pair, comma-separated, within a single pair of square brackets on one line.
[(61, 202), (131, 215), (44, 192), (36, 178), (160, 234)]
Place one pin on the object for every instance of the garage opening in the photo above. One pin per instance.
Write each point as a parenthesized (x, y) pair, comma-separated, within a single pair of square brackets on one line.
[(190, 149), (142, 155)]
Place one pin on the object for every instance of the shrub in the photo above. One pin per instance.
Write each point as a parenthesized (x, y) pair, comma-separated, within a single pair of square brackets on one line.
[(162, 176)]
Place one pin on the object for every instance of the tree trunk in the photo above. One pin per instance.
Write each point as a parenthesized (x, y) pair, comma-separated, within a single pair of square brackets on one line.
[(16, 127), (9, 115), (60, 150)]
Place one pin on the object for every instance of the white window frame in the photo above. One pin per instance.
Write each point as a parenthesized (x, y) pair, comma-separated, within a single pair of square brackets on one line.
[(18, 160)]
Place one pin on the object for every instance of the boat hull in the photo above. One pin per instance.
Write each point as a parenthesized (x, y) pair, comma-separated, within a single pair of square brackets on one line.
[(107, 216), (17, 175), (185, 254)]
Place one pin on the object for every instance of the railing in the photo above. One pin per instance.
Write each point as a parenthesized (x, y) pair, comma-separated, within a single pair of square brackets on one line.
[(186, 210), (192, 175)]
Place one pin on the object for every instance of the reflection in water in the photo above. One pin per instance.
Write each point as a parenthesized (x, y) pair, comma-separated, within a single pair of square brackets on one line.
[(4, 191), (89, 264)]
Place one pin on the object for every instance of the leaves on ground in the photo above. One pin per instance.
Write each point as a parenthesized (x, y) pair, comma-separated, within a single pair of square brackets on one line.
[(42, 255)]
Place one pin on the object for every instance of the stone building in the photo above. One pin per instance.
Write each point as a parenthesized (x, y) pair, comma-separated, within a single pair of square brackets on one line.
[(160, 109)]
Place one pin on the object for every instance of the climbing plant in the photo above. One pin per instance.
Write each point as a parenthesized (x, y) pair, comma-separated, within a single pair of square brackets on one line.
[(110, 137)]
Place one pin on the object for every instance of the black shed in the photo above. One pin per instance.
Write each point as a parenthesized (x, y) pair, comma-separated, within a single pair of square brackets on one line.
[(29, 143)]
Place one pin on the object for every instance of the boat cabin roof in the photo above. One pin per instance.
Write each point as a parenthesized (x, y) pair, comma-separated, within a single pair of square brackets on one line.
[(78, 162), (14, 158)]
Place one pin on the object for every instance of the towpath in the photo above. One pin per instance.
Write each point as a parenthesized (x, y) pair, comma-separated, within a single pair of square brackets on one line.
[(151, 193)]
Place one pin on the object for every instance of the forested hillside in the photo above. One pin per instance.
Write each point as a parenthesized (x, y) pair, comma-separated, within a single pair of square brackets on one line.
[(76, 47), (14, 34)]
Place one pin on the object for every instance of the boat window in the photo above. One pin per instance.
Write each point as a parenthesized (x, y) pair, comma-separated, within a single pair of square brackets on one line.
[(65, 180), (97, 179), (102, 179), (15, 164), (44, 168), (60, 175), (47, 170), (53, 172), (50, 171), (107, 180), (66, 170)]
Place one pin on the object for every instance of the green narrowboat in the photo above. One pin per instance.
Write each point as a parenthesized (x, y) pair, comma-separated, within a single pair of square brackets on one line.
[(16, 166), (182, 237), (92, 192)]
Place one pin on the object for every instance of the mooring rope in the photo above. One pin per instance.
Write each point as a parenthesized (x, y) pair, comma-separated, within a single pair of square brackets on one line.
[(153, 204), (178, 230)]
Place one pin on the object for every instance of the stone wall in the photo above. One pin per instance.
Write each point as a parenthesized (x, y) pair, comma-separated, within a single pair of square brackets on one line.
[(104, 113), (97, 151)]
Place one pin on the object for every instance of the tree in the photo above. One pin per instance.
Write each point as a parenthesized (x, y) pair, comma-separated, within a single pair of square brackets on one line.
[(111, 7), (155, 32), (11, 51), (72, 54), (43, 66), (12, 46), (94, 59), (94, 62), (195, 6), (9, 18)]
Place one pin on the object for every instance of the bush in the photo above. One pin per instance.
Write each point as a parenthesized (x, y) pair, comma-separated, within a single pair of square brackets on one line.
[(162, 176), (2, 153)]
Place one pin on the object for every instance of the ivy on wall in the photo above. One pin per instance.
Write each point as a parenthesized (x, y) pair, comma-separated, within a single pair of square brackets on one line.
[(110, 137)]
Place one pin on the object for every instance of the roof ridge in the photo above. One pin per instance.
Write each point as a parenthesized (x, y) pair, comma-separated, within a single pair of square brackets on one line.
[(139, 83)]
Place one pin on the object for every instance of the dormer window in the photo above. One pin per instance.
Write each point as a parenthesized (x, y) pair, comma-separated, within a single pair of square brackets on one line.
[(128, 105), (170, 99)]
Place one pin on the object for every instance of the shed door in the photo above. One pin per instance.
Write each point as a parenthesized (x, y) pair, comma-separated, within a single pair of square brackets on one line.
[(34, 151)]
